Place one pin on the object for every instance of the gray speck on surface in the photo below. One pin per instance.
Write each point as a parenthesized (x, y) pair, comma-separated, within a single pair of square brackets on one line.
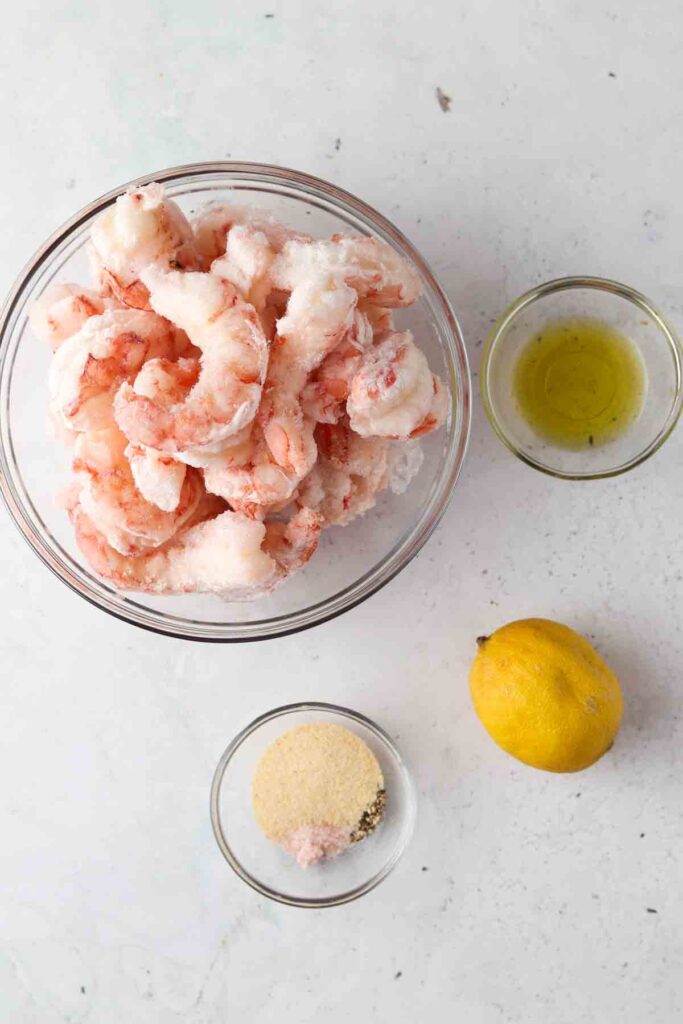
[(610, 74), (71, 183), (443, 100), (337, 145), (82, 990), (642, 835), (399, 974), (651, 910)]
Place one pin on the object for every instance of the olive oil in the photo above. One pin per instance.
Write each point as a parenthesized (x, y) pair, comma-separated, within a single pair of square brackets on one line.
[(579, 382)]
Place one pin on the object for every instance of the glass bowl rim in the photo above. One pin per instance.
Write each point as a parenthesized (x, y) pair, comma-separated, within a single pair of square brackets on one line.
[(541, 291), (214, 805), (368, 583)]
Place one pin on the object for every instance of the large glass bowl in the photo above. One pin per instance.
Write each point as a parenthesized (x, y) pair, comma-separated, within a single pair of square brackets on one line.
[(352, 562)]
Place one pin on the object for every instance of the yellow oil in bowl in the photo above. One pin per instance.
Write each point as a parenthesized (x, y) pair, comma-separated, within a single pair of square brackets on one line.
[(579, 382)]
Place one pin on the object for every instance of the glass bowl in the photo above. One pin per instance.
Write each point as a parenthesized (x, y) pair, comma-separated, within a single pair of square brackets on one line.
[(632, 315), (351, 564), (266, 867)]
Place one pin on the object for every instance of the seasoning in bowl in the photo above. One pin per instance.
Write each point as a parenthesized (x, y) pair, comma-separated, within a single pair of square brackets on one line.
[(317, 790)]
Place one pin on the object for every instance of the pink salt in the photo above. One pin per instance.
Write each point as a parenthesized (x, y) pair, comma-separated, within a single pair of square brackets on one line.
[(312, 843)]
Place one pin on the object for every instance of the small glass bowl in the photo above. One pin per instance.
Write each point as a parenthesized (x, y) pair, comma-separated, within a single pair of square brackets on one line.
[(620, 307), (264, 865), (351, 563)]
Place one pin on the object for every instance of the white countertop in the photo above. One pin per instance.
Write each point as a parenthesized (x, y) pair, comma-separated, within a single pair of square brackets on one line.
[(524, 897)]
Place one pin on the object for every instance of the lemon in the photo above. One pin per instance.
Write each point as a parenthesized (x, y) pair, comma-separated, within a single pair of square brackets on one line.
[(545, 695)]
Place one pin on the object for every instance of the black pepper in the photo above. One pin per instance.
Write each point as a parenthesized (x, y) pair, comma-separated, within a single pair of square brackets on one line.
[(370, 818)]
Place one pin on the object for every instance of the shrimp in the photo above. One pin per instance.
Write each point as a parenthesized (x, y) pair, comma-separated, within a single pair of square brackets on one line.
[(232, 555), (62, 310), (348, 476), (325, 279), (320, 313), (246, 264), (114, 504), (394, 394), (141, 229), (234, 354), (369, 266), (167, 383), (88, 367), (158, 477), (249, 479), (225, 373), (324, 396), (212, 225)]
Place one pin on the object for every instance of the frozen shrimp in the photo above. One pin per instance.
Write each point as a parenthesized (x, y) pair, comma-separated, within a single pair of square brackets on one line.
[(62, 310), (166, 381), (320, 313), (89, 366), (140, 230), (167, 384), (234, 354), (324, 396), (231, 554), (349, 474), (246, 264), (212, 225), (326, 279), (113, 503), (158, 477), (248, 477), (237, 356), (394, 393), (370, 267)]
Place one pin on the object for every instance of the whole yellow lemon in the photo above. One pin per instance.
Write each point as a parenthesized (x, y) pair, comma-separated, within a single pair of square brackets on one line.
[(545, 696)]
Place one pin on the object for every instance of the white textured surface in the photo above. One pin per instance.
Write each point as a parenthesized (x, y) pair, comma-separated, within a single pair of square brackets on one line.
[(524, 897)]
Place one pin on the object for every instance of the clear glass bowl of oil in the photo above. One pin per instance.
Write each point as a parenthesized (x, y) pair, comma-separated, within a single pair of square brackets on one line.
[(582, 378)]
